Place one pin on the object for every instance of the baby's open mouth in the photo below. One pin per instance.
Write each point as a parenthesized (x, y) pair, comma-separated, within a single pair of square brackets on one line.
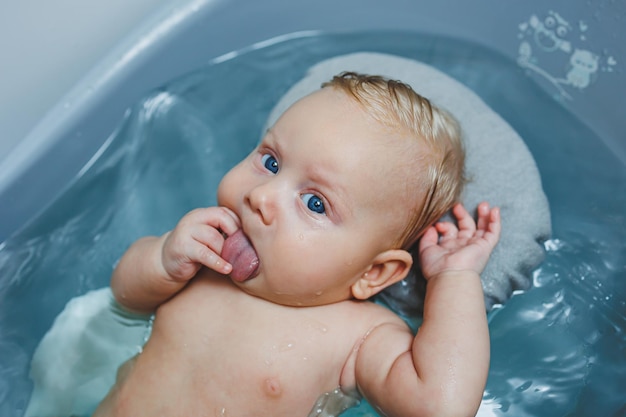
[(240, 253)]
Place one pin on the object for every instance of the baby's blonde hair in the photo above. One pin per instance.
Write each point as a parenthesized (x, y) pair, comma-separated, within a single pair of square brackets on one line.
[(397, 105)]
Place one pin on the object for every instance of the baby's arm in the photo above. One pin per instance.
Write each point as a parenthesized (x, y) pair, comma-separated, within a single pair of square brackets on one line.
[(154, 269), (454, 311), (443, 370)]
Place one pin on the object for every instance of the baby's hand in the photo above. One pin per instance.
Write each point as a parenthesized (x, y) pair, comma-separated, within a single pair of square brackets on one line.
[(197, 240), (445, 248)]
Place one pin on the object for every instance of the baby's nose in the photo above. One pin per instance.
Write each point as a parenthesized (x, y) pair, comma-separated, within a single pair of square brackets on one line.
[(263, 200)]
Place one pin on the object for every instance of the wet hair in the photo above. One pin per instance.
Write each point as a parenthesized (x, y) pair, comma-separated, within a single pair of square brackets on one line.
[(440, 166)]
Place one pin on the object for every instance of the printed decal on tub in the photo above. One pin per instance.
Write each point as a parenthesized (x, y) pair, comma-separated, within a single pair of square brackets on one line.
[(555, 49)]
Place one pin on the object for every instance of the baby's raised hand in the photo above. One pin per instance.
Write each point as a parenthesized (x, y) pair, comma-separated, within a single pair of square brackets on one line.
[(444, 247), (197, 240)]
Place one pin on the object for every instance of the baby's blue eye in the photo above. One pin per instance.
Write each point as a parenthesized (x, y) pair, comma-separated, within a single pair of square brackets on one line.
[(270, 163), (314, 203)]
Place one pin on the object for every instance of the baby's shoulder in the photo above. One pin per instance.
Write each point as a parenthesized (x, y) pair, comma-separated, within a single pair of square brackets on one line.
[(367, 315)]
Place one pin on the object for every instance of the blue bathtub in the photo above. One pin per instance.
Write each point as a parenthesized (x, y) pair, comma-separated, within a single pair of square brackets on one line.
[(571, 51)]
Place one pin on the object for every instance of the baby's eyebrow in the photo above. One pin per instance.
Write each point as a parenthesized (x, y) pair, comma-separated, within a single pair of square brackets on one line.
[(264, 136), (272, 140), (328, 183), (270, 131)]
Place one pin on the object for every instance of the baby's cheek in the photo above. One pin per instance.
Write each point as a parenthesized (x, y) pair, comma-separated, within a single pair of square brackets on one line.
[(227, 188)]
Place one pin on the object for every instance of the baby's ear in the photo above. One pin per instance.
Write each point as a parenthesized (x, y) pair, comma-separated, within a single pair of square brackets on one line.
[(388, 268)]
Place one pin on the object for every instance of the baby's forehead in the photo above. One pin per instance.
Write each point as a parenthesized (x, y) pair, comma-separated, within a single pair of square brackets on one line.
[(396, 166), (395, 145)]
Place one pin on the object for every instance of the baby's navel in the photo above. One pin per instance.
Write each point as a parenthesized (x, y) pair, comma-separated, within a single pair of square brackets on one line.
[(272, 387)]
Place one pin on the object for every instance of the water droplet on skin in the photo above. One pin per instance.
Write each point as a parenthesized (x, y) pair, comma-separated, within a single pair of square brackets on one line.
[(301, 236), (316, 325), (286, 346)]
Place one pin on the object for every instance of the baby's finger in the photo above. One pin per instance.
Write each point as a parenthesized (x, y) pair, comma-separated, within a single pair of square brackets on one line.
[(447, 230), (208, 236), (232, 226), (204, 255), (467, 226), (483, 216), (221, 218), (428, 239), (494, 227)]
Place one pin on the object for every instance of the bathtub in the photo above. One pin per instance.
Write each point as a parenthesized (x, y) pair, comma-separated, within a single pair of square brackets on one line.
[(573, 51)]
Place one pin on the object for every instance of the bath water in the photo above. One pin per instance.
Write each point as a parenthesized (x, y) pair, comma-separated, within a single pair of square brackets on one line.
[(558, 349)]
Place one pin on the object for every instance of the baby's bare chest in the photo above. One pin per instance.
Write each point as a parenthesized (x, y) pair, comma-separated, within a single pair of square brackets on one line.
[(235, 356)]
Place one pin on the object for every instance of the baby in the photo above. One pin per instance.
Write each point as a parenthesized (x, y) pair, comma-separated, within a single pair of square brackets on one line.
[(261, 302)]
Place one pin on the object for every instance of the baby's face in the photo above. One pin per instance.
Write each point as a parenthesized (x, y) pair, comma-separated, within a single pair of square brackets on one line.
[(317, 199)]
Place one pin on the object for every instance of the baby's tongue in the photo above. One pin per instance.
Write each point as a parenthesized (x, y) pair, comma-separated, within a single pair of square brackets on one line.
[(238, 251)]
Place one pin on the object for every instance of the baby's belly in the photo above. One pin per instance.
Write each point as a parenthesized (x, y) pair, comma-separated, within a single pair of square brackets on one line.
[(214, 352), (177, 389)]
